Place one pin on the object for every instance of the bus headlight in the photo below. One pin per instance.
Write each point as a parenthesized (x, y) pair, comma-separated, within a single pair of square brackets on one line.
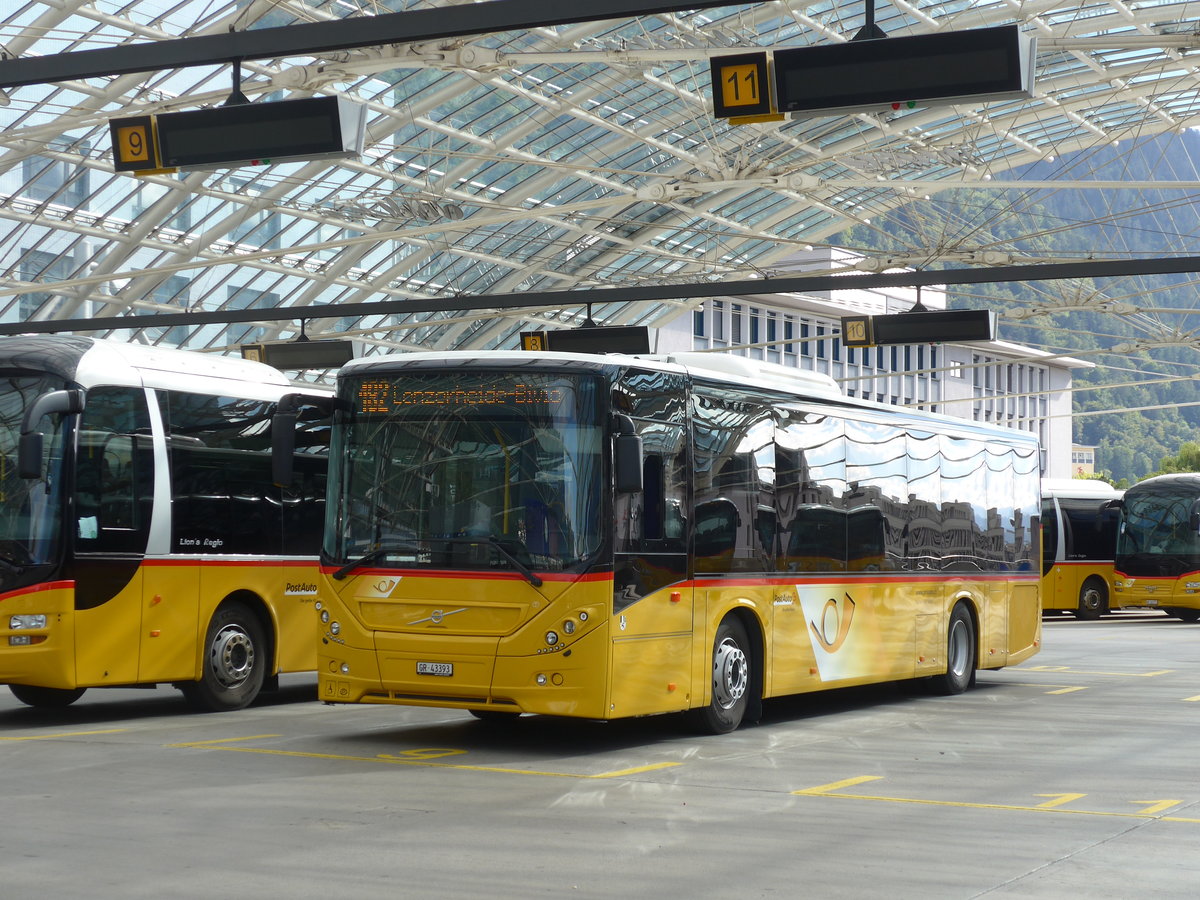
[(569, 626), (23, 622), (335, 627), (551, 638), (324, 616)]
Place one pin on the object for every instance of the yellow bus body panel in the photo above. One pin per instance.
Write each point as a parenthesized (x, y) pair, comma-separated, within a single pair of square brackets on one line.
[(488, 637), (152, 631), (1157, 593), (1062, 584), (51, 662)]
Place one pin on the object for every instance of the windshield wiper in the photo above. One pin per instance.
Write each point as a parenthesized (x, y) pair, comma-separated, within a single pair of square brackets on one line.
[(490, 540), (521, 567)]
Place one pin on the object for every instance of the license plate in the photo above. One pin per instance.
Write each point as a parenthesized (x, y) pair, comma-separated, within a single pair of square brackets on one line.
[(432, 668)]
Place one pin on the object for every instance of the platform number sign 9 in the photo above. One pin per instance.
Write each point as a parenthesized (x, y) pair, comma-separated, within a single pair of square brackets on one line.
[(135, 144)]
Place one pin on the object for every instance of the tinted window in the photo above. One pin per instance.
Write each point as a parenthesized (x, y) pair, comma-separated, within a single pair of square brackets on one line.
[(223, 499), (736, 525)]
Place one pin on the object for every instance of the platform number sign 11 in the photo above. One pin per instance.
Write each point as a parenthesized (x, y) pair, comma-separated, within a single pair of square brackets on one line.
[(741, 85)]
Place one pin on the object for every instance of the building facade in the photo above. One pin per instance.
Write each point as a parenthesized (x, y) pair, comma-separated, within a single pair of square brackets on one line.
[(1000, 383)]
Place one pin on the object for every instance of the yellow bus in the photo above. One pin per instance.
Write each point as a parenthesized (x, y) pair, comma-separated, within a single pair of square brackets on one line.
[(141, 538), (1079, 542), (1158, 546), (615, 536)]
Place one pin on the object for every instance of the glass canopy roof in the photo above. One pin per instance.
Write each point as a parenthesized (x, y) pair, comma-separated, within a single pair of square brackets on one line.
[(569, 158)]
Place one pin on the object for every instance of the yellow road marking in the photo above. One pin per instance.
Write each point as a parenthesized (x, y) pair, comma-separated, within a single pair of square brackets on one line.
[(1059, 800), (636, 770), (830, 790), (420, 757), (1156, 806), (1065, 689), (213, 743), (1090, 672), (1195, 699), (63, 734), (838, 785)]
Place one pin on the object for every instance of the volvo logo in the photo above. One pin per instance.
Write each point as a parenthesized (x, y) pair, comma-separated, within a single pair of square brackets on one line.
[(438, 615)]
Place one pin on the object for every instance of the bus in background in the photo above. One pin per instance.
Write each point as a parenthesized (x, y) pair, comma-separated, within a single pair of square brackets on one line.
[(142, 540), (1079, 540), (1158, 547), (615, 536)]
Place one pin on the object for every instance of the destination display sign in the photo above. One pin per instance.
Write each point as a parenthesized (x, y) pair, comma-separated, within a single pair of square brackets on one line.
[(375, 396)]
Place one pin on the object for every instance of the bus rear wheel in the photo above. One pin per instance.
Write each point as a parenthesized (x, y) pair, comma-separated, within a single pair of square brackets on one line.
[(1093, 599), (731, 680), (234, 662), (960, 653), (44, 697)]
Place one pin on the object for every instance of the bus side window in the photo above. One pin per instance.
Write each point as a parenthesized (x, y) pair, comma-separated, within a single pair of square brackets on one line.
[(717, 523), (111, 484)]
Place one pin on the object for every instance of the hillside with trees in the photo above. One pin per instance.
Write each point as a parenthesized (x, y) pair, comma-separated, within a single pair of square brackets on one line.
[(1137, 406)]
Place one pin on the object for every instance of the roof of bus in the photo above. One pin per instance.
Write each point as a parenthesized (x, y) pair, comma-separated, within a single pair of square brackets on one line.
[(1078, 487), (722, 367), (1191, 479), (91, 361)]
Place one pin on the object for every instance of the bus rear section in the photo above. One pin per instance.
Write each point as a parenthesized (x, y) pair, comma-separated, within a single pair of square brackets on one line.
[(1158, 547), (1079, 542), (606, 537), (143, 541)]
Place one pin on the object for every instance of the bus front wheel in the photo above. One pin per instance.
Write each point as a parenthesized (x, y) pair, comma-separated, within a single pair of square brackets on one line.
[(44, 697), (960, 653), (1093, 599), (730, 680), (234, 662)]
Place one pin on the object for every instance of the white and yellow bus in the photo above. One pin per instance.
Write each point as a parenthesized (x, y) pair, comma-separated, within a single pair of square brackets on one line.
[(141, 538), (1079, 543), (615, 536), (1158, 547)]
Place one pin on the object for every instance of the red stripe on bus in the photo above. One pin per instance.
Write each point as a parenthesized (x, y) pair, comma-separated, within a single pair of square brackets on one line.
[(37, 588)]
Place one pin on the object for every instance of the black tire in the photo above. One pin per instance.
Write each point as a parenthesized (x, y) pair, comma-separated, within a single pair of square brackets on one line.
[(960, 653), (1093, 599), (1183, 613), (44, 697), (235, 662), (731, 680)]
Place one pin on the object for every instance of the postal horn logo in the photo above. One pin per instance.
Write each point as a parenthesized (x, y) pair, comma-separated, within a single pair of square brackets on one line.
[(834, 624)]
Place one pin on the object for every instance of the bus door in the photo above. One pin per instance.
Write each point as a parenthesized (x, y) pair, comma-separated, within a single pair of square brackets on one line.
[(652, 601), (113, 495)]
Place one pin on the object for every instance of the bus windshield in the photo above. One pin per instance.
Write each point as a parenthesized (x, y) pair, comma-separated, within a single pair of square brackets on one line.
[(467, 470), (30, 509), (1156, 526)]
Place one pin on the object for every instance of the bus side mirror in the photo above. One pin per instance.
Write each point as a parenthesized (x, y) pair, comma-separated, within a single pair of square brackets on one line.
[(1194, 517), (29, 445), (283, 433), (283, 442), (627, 457)]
